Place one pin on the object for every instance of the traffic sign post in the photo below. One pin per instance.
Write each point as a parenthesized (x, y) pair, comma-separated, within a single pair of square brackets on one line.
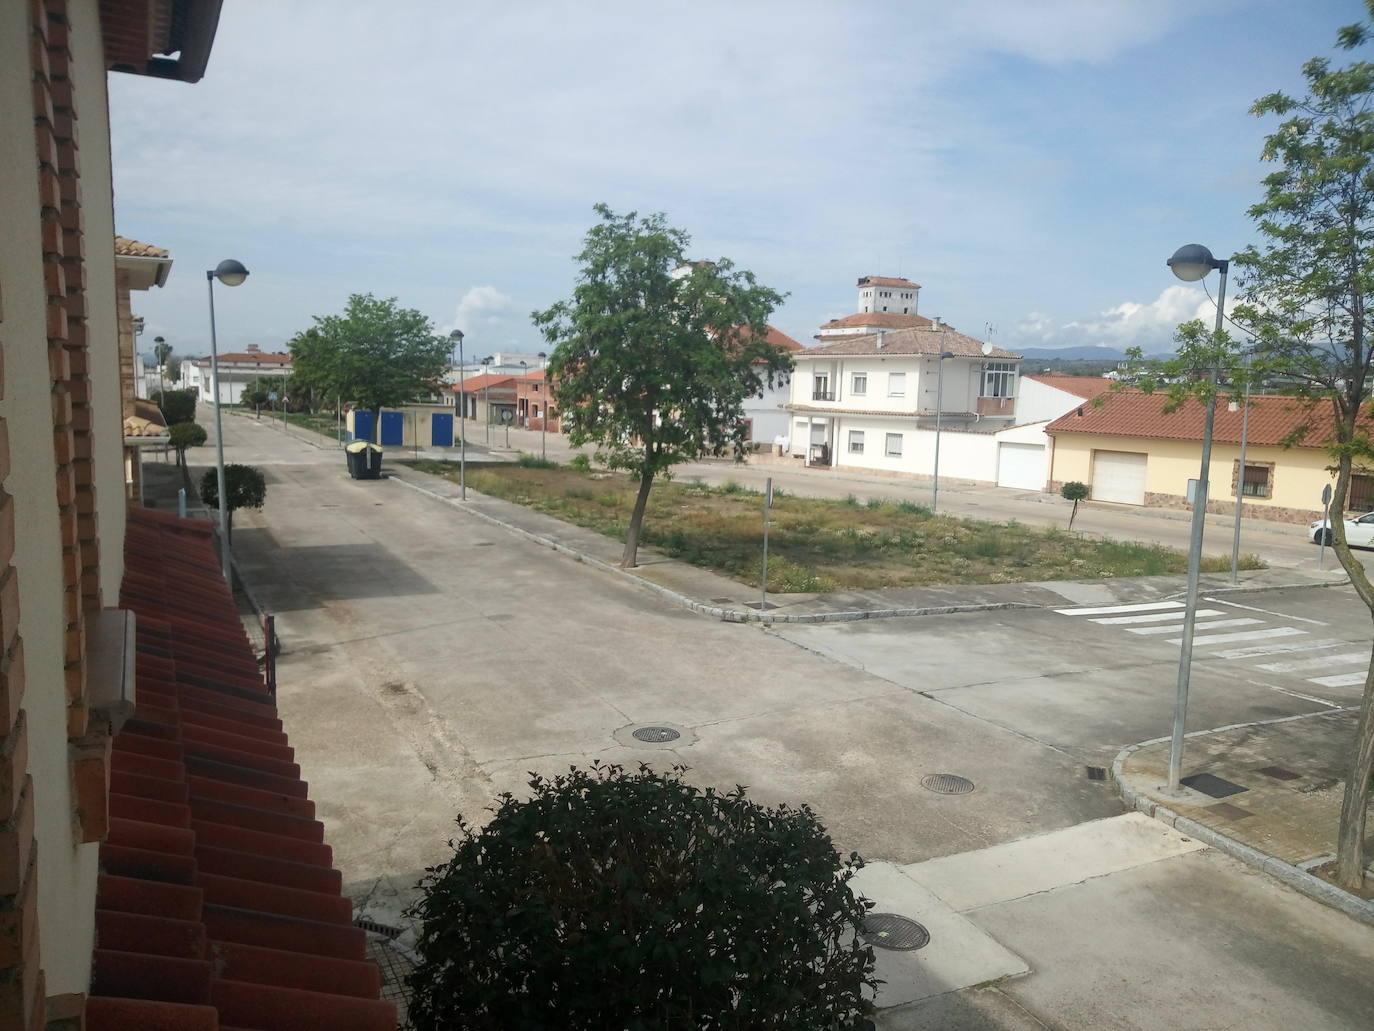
[(1326, 532)]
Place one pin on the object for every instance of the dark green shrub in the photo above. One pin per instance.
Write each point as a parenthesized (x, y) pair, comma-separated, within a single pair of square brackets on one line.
[(851, 500), (581, 463), (535, 462), (184, 435), (244, 487), (614, 900), (177, 405), (1075, 492)]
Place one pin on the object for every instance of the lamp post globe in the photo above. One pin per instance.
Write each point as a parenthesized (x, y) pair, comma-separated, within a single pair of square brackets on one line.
[(230, 272), (457, 337), (1192, 262)]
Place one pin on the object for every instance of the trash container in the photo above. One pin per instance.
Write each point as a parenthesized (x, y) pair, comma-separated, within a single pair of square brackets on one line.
[(364, 460)]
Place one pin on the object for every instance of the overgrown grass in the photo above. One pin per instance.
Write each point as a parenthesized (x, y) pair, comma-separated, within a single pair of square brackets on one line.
[(817, 544)]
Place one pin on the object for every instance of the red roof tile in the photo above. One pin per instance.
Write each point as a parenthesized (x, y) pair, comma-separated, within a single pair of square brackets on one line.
[(248, 358), (927, 342), (133, 249), (1086, 387), (487, 380), (878, 320), (218, 905), (1130, 413)]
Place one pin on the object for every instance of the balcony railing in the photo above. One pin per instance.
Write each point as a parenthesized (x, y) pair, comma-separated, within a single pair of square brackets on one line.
[(822, 395)]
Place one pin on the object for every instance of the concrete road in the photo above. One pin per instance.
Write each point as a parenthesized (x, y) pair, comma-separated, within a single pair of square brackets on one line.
[(432, 660)]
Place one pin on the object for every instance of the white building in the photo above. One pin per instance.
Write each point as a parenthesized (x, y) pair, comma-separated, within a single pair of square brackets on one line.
[(765, 414), (236, 371)]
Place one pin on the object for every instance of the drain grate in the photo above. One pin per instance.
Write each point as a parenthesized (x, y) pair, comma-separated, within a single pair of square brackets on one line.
[(385, 930), (1097, 773), (1216, 787), (722, 601), (890, 931), (947, 784), (1279, 773), (656, 735)]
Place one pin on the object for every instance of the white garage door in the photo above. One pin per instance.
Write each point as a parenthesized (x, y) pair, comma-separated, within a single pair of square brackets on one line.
[(1021, 466), (1119, 476)]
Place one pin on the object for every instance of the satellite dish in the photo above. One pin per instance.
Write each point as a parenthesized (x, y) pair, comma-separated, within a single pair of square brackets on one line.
[(987, 349)]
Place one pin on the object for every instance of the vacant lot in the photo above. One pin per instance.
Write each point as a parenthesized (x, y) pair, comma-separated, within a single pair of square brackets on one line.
[(816, 544)]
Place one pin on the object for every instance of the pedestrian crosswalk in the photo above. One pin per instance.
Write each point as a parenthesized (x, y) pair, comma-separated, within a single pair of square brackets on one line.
[(1217, 630)]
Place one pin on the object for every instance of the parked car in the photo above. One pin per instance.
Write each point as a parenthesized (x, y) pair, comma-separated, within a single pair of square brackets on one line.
[(1359, 532)]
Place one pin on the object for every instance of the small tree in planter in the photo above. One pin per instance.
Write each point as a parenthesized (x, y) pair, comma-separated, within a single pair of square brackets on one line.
[(184, 435), (1075, 492), (635, 900), (177, 405), (244, 487)]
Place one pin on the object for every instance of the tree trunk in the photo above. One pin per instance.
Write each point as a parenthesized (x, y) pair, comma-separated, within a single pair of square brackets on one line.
[(376, 425), (1350, 858), (1073, 513), (627, 561)]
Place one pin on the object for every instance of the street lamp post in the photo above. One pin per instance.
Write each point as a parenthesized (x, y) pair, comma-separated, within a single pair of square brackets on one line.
[(544, 422), (230, 273), (1191, 263), (457, 337), (939, 401), (524, 371), (486, 405), (1240, 479), (158, 343)]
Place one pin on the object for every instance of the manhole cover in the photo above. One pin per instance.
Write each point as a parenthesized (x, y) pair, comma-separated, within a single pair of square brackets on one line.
[(1208, 784), (947, 784), (890, 931), (656, 735)]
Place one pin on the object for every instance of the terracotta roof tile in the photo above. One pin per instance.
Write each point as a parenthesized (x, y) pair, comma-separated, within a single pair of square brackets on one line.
[(1130, 413), (887, 281), (248, 358), (218, 905), (134, 249), (879, 320), (487, 380), (1086, 387), (781, 340), (931, 341)]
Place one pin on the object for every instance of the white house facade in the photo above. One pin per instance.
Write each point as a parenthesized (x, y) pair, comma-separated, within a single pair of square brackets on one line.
[(236, 371), (768, 421)]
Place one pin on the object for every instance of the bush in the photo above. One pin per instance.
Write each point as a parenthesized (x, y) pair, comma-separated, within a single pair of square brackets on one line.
[(244, 487), (1075, 492), (581, 463), (184, 435), (615, 900), (535, 462), (177, 405)]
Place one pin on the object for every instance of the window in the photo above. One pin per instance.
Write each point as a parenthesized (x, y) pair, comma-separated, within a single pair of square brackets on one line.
[(894, 445), (1361, 493), (1256, 481), (896, 384), (820, 387), (859, 384), (856, 442), (999, 379)]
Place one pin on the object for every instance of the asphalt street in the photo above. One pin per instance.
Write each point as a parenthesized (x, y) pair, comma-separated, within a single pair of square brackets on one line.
[(432, 660)]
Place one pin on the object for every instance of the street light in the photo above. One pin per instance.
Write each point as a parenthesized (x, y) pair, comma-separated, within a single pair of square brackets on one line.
[(157, 352), (544, 422), (1190, 264), (939, 399), (457, 337), (230, 273), (1240, 479), (524, 371), (486, 405)]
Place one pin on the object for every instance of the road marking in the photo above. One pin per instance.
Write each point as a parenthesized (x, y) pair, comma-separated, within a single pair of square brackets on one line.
[(1244, 635), (1112, 609), (1281, 648), (1153, 617), (1340, 680), (1321, 662), (1295, 694), (1198, 626), (1267, 612)]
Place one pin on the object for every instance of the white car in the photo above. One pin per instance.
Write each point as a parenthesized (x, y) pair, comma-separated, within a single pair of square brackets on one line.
[(1359, 533)]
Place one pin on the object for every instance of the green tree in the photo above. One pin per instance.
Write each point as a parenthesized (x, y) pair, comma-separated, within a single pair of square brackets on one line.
[(172, 371), (653, 367), (375, 354), (1305, 294), (255, 394), (1075, 492), (162, 351), (635, 900), (244, 487), (183, 435), (177, 405)]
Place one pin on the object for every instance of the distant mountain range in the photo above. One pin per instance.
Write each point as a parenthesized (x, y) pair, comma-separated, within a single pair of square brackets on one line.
[(1085, 352)]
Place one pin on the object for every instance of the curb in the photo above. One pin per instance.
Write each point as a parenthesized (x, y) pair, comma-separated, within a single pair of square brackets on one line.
[(749, 616), (1293, 877), (717, 611)]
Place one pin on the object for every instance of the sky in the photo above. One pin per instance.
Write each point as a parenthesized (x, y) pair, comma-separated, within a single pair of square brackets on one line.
[(1031, 163)]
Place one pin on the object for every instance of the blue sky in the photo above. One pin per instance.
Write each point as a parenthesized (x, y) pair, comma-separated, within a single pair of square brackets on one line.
[(1031, 163)]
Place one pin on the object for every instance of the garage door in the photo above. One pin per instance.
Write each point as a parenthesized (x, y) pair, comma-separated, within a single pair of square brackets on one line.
[(1021, 466), (1119, 476)]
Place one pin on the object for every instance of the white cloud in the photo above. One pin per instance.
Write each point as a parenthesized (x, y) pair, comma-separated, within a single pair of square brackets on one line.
[(481, 306), (1149, 325)]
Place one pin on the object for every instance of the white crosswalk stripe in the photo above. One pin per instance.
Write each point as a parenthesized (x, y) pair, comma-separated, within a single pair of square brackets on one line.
[(1153, 617), (1244, 635), (1243, 621), (1112, 609), (1341, 680), (1278, 648), (1320, 662)]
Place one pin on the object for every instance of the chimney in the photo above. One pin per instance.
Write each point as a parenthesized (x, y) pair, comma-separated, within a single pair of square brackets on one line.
[(937, 322), (254, 347), (882, 339)]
